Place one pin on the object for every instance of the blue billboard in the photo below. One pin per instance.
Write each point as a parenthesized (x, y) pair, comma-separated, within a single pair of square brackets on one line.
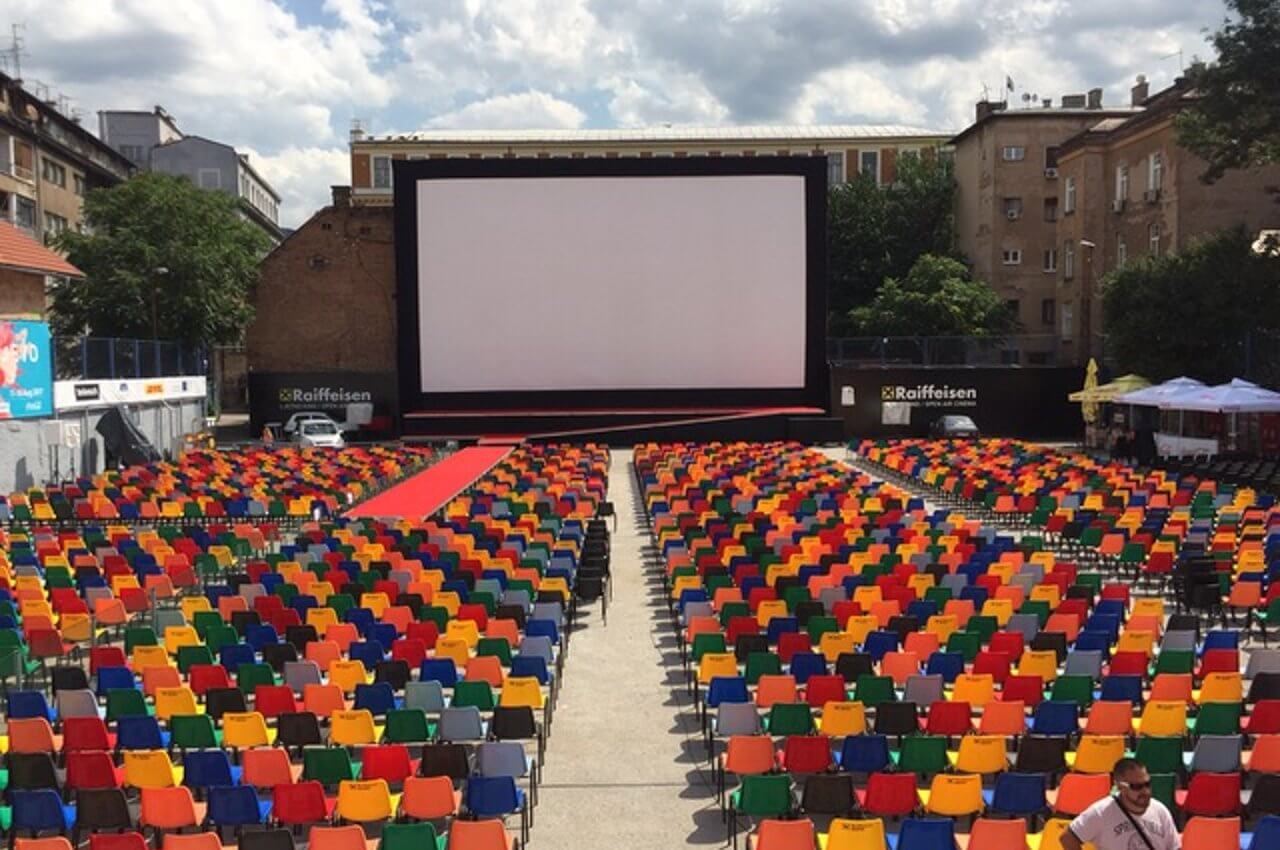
[(26, 370)]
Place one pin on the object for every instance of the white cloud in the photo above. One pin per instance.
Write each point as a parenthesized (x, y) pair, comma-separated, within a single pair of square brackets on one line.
[(303, 177), (532, 109)]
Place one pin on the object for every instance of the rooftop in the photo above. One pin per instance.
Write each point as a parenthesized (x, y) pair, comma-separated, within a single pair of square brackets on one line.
[(667, 134), (21, 252)]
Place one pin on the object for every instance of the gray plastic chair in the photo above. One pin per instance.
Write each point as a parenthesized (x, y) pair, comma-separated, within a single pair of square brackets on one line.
[(1084, 662), (251, 592), (166, 617), (1262, 661), (426, 696), (1216, 754), (736, 718), (81, 703), (924, 690), (520, 597), (1178, 641), (1027, 624), (299, 674), (539, 646), (548, 611), (504, 758), (458, 725)]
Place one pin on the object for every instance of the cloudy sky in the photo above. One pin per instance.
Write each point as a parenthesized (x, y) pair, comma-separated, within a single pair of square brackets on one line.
[(282, 79)]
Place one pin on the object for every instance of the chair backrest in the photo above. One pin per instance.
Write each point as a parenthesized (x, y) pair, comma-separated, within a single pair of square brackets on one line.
[(773, 834), (862, 834), (1211, 832), (336, 838), (167, 808), (955, 795), (364, 800), (429, 798)]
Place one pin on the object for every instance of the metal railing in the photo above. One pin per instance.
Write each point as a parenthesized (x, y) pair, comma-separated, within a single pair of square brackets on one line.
[(102, 358), (1014, 350)]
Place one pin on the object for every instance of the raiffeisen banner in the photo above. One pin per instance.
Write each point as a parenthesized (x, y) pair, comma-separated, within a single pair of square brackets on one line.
[(26, 370)]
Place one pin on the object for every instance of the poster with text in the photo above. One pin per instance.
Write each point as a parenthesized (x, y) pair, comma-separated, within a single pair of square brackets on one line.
[(26, 370)]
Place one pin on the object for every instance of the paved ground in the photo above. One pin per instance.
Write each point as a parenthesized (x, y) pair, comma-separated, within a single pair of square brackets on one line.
[(624, 762)]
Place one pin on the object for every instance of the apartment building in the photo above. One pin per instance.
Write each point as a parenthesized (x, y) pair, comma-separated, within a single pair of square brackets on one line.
[(1010, 196), (1138, 193), (153, 142), (850, 149), (48, 161)]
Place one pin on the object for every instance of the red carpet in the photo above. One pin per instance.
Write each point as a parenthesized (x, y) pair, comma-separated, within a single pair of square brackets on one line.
[(429, 490)]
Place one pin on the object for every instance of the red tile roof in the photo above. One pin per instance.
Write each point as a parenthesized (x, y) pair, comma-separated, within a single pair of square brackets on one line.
[(20, 251)]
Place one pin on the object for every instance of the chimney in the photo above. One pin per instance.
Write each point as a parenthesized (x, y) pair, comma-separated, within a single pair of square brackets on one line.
[(1095, 99), (1138, 94), (1073, 101), (987, 107), (341, 196)]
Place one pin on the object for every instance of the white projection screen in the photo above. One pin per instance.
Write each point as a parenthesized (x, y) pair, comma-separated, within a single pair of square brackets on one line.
[(640, 284)]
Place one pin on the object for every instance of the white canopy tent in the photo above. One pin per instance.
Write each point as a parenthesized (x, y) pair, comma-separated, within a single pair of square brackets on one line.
[(1238, 396), (1157, 395)]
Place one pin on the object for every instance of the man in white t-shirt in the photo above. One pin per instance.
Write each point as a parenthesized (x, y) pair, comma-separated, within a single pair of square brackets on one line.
[(1122, 821)]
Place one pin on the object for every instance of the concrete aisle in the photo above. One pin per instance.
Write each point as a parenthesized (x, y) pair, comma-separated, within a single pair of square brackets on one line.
[(624, 762)]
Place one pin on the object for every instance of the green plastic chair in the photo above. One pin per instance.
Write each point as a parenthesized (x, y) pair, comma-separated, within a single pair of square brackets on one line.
[(194, 732), (139, 636), (707, 642), (1175, 661), (1164, 788), (126, 702), (819, 626), (249, 676), (435, 614), (761, 796), (411, 836), (188, 656), (478, 694), (967, 644), (1160, 755), (789, 718), (762, 664), (923, 754), (983, 626), (872, 690), (206, 620), (1216, 718), (220, 636), (328, 765), (496, 646), (408, 726), (1074, 688)]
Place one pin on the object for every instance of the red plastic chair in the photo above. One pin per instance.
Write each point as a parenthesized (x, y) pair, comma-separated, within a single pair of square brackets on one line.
[(820, 690), (1211, 795), (387, 761), (889, 794), (301, 803), (805, 754), (949, 718), (274, 700), (92, 770), (86, 733), (1264, 719), (114, 841)]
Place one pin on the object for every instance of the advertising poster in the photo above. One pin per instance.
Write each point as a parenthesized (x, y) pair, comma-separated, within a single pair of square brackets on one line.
[(26, 370)]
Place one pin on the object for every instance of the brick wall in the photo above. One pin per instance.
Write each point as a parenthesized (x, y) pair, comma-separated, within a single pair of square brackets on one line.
[(21, 293), (326, 298)]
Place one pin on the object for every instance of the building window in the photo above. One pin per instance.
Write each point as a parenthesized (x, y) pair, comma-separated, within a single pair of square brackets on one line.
[(1013, 208), (1069, 196), (53, 172), (1047, 306), (1051, 157), (835, 168), (79, 184), (1066, 321), (869, 164), (1051, 259), (1155, 171), (1122, 251), (24, 213), (1153, 240), (382, 172), (53, 225), (1014, 306), (1050, 209), (1122, 182), (1013, 153), (210, 178), (1068, 260), (1011, 257)]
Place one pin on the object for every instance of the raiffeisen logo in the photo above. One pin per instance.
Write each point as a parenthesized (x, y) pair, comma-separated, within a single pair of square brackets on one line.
[(323, 395), (935, 395)]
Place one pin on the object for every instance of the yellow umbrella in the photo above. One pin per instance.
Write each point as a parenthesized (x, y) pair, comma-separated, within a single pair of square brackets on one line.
[(1108, 392), (1089, 409)]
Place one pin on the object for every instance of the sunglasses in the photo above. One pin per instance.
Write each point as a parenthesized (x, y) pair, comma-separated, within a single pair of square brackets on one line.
[(1134, 786)]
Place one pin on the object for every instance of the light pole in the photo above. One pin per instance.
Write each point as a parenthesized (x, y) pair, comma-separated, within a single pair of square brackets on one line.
[(1086, 321)]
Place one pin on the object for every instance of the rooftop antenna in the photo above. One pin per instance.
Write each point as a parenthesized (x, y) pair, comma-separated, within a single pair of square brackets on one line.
[(1178, 53), (16, 49)]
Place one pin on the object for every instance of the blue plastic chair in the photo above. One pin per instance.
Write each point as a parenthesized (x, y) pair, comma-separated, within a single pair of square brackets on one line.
[(260, 636), (40, 811), (368, 652), (727, 689), (1094, 641), (29, 704), (236, 806), (114, 678), (1056, 717), (377, 698), (494, 796), (361, 618), (531, 665), (806, 664), (927, 834), (864, 754), (779, 626), (232, 655), (543, 628), (948, 665), (208, 769), (1021, 794), (440, 670), (1266, 834), (880, 642), (140, 733), (1121, 689)]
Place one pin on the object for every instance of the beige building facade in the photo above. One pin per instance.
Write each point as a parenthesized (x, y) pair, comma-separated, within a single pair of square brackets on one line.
[(849, 149), (1140, 194), (1010, 198)]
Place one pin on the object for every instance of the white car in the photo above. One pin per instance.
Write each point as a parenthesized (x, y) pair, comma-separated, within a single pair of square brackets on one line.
[(320, 433), (295, 421)]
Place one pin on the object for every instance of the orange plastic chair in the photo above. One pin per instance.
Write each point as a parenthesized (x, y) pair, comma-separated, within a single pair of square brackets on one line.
[(1206, 832), (323, 700), (197, 841), (56, 842), (1003, 718), (466, 835), (785, 835), (338, 837), (429, 798), (31, 735), (987, 832), (1079, 791), (1109, 717), (267, 767), (772, 689), (168, 808)]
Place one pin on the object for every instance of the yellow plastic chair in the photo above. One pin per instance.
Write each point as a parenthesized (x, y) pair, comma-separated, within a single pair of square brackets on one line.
[(455, 649), (1221, 687), (834, 644), (768, 609), (716, 664), (1096, 753), (1042, 663), (191, 605), (839, 719), (846, 834), (954, 794), (981, 754), (321, 618), (244, 729), (365, 801), (1163, 719), (518, 691), (977, 689), (346, 674), (179, 700), (464, 630), (176, 637), (149, 656), (150, 769), (352, 728)]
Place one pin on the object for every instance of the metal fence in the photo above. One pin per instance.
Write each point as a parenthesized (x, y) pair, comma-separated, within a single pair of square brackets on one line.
[(1017, 350), (100, 358)]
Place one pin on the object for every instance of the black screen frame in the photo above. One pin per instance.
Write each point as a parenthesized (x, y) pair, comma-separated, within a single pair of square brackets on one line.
[(407, 174)]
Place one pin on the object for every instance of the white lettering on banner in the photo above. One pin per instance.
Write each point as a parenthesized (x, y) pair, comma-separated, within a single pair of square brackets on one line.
[(930, 395), (296, 396)]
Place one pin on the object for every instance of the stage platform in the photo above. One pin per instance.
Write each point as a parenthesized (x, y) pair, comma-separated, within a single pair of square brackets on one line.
[(431, 489)]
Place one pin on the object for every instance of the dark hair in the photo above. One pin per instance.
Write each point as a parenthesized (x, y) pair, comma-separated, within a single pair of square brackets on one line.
[(1125, 765)]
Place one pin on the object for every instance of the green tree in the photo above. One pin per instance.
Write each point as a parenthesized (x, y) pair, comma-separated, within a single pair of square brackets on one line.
[(937, 297), (1192, 313), (877, 232), (162, 259), (1234, 120)]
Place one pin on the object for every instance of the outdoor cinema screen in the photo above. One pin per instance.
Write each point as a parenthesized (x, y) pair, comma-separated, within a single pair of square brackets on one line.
[(631, 283)]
